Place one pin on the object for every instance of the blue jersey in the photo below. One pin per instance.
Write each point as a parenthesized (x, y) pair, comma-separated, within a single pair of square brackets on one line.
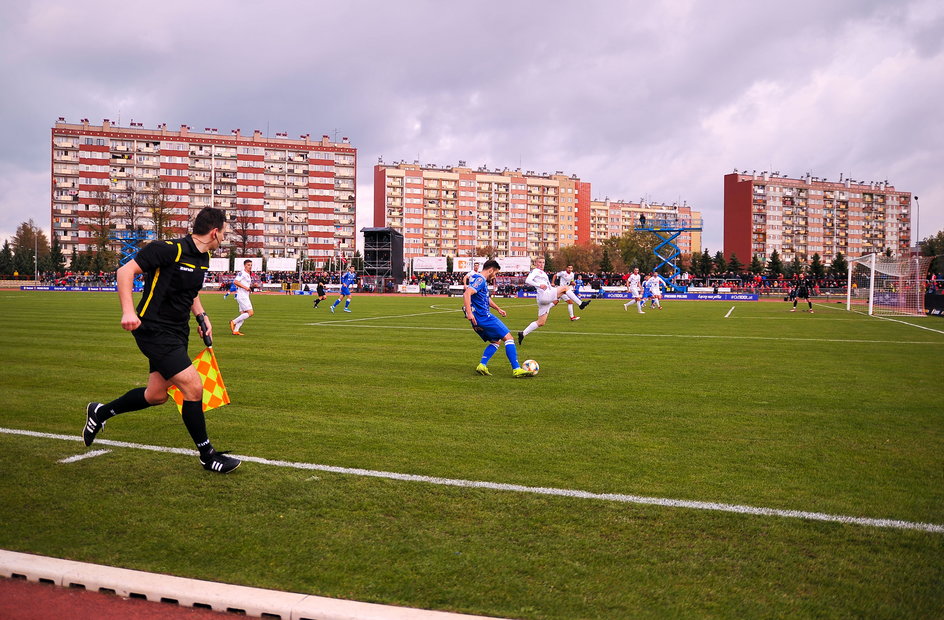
[(348, 278), (480, 304)]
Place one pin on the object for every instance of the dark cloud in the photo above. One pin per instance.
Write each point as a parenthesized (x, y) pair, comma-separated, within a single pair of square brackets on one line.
[(641, 99)]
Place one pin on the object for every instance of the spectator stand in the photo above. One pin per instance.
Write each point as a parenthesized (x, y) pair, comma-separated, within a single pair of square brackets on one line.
[(668, 227)]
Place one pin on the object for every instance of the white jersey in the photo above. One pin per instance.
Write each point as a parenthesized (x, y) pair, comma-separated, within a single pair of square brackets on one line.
[(537, 277), (244, 278), (634, 282), (468, 276), (655, 286), (564, 278)]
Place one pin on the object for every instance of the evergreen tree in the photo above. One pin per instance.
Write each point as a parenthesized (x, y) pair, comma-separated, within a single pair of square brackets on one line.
[(934, 246), (817, 269), (734, 265), (605, 264), (56, 262), (549, 265), (6, 259), (721, 265), (839, 268), (705, 264), (757, 265), (796, 267), (775, 265)]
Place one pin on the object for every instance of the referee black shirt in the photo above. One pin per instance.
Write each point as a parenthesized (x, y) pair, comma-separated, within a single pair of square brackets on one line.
[(174, 272)]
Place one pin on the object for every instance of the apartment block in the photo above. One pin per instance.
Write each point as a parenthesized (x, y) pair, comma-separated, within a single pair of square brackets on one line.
[(283, 197), (613, 218), (801, 217), (451, 211)]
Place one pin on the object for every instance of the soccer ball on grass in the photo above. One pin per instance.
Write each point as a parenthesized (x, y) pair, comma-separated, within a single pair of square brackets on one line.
[(531, 366)]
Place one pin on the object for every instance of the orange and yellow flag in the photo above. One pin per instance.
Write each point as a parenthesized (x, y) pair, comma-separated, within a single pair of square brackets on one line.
[(214, 391)]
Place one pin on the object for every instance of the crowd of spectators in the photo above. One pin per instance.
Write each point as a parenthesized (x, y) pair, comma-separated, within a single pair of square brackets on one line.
[(439, 283)]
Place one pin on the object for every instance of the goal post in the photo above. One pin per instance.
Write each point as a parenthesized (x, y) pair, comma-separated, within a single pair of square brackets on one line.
[(888, 285)]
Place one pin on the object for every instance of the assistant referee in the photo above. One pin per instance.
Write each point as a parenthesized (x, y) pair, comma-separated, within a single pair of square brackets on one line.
[(174, 272)]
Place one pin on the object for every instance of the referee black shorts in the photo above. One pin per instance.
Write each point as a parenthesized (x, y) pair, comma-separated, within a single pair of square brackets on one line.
[(165, 349)]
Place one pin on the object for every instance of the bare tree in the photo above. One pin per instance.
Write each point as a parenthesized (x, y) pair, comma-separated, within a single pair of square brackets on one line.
[(242, 228), (159, 210), (488, 251)]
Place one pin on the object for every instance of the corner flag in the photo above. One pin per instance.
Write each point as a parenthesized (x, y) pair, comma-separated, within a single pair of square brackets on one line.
[(214, 391)]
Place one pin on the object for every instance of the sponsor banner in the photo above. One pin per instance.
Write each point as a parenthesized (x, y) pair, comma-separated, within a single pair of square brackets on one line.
[(710, 297), (408, 288), (220, 264), (276, 264), (463, 264), (611, 294), (256, 263), (107, 289), (515, 264), (429, 263)]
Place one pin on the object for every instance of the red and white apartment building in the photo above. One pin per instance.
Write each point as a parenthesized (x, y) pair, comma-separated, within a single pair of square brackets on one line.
[(283, 197), (451, 211), (801, 217)]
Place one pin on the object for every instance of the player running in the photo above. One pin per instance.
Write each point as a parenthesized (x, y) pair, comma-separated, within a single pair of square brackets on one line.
[(547, 296), (477, 304), (654, 284), (161, 327), (634, 285), (347, 281), (566, 278), (243, 284), (319, 293)]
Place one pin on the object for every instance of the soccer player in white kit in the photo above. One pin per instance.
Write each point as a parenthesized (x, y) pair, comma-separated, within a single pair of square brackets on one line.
[(566, 278), (243, 284), (634, 285), (655, 289), (547, 296)]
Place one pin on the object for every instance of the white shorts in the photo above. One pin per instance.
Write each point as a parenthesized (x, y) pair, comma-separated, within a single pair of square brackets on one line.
[(634, 292), (546, 299), (244, 303)]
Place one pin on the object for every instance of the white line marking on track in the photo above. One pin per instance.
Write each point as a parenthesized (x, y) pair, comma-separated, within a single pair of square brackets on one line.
[(84, 455), (498, 486), (729, 312)]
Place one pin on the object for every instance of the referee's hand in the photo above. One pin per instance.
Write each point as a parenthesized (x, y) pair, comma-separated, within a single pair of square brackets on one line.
[(130, 321)]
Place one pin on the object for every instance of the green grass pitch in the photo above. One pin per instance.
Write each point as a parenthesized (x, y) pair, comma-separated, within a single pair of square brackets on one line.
[(834, 412)]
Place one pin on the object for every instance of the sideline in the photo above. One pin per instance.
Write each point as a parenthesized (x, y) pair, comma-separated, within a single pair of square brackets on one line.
[(196, 593), (498, 486)]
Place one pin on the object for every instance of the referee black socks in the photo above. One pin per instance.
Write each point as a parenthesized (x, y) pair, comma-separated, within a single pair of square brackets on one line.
[(131, 401), (194, 420)]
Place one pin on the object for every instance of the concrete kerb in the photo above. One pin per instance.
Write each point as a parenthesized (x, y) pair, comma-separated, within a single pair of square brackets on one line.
[(222, 597)]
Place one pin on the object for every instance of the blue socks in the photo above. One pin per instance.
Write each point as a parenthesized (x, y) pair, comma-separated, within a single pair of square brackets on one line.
[(489, 351), (512, 352)]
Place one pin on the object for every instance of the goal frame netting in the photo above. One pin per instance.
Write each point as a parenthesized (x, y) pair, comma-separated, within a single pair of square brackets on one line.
[(891, 285)]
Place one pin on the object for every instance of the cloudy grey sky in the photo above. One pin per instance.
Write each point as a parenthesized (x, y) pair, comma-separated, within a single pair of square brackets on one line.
[(642, 99)]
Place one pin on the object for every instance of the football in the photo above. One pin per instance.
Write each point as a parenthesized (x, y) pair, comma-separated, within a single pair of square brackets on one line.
[(531, 366)]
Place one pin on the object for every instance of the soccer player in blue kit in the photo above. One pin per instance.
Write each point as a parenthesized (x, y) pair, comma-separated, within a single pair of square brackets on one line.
[(348, 279), (477, 309)]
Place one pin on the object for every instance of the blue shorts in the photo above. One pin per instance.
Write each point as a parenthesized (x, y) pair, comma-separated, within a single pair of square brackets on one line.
[(490, 328), (345, 290)]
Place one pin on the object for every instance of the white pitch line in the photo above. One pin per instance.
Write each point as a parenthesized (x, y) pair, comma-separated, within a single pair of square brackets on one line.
[(638, 335), (84, 455), (518, 488), (729, 312), (930, 329)]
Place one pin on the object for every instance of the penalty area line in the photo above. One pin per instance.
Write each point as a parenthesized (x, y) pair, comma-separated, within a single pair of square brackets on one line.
[(518, 488), (729, 312)]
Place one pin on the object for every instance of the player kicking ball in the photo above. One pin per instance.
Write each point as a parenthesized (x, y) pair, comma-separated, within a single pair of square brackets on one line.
[(477, 305), (547, 297)]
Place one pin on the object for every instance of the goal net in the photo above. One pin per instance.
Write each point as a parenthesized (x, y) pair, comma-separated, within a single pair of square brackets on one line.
[(888, 285)]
